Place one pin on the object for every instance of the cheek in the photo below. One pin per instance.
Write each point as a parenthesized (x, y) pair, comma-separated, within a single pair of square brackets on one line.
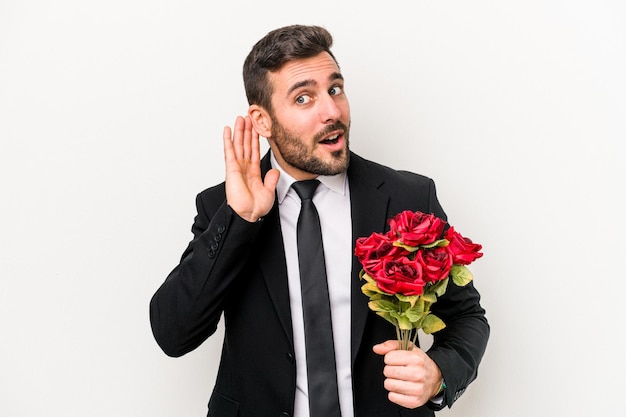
[(296, 124), (344, 107), (304, 128)]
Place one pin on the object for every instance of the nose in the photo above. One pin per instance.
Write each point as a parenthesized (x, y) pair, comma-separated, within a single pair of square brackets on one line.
[(329, 109)]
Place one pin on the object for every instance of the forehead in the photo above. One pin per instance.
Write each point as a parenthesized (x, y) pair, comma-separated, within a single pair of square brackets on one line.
[(315, 70)]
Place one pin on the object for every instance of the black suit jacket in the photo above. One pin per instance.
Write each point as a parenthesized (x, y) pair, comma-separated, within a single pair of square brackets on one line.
[(238, 268)]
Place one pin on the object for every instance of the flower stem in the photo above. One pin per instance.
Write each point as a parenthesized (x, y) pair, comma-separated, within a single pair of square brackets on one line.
[(415, 337), (398, 334), (406, 338)]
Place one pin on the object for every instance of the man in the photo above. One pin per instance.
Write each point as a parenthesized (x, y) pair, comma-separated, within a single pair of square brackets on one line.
[(243, 260)]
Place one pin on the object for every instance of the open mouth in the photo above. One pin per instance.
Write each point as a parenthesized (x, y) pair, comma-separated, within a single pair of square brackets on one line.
[(330, 140)]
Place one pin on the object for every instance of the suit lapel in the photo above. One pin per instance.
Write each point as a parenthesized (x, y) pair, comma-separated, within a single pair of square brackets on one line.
[(369, 208), (273, 264)]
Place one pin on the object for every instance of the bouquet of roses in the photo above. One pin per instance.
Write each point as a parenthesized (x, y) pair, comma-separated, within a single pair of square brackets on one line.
[(409, 267)]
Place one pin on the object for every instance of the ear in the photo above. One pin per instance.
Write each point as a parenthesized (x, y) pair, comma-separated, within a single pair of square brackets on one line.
[(261, 120)]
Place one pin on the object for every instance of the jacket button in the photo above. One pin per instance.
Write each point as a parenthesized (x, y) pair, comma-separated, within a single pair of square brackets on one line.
[(211, 253), (221, 228), (291, 357), (214, 246), (217, 237), (284, 414)]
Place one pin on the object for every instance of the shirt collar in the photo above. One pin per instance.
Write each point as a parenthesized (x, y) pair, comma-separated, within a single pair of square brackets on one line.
[(336, 183)]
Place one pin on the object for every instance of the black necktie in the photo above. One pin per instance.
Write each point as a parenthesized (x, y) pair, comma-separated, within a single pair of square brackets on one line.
[(318, 333)]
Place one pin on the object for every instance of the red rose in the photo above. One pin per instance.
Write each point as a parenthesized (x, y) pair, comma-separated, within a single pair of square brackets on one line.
[(436, 263), (416, 228), (400, 275), (372, 250), (462, 249)]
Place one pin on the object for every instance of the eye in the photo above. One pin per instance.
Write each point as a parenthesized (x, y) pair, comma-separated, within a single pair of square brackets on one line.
[(335, 91), (303, 99)]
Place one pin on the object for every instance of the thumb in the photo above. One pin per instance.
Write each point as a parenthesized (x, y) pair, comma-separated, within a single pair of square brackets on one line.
[(386, 347), (271, 179)]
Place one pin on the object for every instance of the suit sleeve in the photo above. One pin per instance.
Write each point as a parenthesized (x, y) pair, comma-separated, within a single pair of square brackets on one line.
[(459, 347), (187, 307)]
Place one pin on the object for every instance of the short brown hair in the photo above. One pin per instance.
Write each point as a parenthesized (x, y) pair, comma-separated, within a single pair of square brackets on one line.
[(276, 49)]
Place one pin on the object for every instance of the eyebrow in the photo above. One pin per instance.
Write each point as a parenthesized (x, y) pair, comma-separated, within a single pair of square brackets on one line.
[(334, 76)]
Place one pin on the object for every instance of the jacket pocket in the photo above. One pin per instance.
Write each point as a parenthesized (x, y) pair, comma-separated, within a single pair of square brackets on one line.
[(221, 406)]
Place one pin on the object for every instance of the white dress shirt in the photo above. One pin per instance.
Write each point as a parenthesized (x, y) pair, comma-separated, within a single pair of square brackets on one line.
[(332, 200)]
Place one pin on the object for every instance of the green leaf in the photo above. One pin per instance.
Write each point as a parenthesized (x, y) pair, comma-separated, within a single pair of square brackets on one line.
[(419, 305), (432, 324), (388, 317), (429, 297), (369, 289), (403, 321), (407, 247), (411, 299), (440, 287), (375, 297), (365, 276), (413, 315), (440, 242), (461, 275), (382, 305)]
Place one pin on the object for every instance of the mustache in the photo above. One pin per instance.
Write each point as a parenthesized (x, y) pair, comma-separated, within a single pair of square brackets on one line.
[(331, 128)]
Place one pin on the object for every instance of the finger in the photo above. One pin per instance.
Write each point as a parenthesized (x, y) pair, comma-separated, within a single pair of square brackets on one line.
[(255, 155), (406, 401), (247, 138), (271, 179), (229, 152), (238, 137), (412, 373), (415, 357), (402, 387), (386, 347)]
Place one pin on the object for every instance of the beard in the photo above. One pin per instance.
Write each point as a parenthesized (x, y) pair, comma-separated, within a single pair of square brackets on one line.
[(297, 154)]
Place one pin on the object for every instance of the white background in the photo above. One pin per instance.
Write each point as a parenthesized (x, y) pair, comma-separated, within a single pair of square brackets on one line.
[(111, 115)]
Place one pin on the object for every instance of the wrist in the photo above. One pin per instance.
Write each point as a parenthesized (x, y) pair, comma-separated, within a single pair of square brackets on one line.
[(441, 388)]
